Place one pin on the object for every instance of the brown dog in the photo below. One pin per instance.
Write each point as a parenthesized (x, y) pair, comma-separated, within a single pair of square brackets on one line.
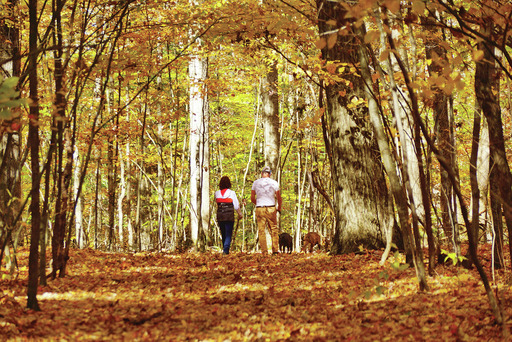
[(311, 240)]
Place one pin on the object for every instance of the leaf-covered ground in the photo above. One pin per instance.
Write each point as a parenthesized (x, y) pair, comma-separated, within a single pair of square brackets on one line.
[(249, 297)]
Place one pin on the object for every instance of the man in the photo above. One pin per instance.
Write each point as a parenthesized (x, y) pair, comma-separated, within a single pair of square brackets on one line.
[(264, 193)]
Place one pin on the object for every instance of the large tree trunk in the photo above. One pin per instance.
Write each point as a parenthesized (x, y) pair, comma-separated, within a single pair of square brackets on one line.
[(361, 196)]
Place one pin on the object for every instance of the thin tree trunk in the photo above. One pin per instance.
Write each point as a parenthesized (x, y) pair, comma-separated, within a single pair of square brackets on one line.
[(111, 179), (246, 171), (496, 217), (452, 175), (79, 222), (160, 189), (398, 190), (475, 191), (487, 88), (439, 104), (483, 175), (141, 226), (64, 165), (33, 139), (96, 200), (120, 198)]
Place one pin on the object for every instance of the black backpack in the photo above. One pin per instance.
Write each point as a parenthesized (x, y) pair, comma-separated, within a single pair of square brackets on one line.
[(225, 212)]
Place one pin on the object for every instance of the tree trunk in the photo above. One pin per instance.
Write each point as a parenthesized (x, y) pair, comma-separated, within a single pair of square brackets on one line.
[(120, 198), (199, 152), (111, 189), (360, 197), (160, 190), (453, 179), (475, 191), (79, 222), (63, 172), (10, 142), (33, 140), (496, 218), (440, 105), (270, 118), (487, 88), (142, 212), (397, 188), (96, 208), (483, 175)]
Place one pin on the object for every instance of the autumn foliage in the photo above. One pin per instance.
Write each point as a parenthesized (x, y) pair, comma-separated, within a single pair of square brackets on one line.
[(249, 297)]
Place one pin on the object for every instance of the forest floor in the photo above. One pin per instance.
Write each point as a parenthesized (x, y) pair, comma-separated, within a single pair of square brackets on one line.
[(250, 297)]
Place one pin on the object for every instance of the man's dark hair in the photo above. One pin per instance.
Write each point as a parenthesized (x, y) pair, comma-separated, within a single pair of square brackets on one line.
[(225, 183)]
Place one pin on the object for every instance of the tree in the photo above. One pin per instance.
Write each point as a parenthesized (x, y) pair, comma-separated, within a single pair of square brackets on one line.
[(33, 138), (361, 198), (270, 117), (487, 87), (199, 151), (10, 142)]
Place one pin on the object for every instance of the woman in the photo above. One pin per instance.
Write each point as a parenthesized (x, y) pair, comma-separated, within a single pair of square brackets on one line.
[(227, 203)]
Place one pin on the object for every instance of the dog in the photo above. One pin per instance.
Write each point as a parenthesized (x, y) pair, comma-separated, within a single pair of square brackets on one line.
[(311, 240), (285, 241)]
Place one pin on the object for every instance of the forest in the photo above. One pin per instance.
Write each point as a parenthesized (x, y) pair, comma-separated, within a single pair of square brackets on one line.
[(386, 124)]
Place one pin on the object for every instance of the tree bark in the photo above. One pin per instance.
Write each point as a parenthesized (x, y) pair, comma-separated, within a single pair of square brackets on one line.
[(111, 178), (63, 172), (360, 194), (199, 153), (79, 222), (270, 118), (397, 188), (439, 104), (483, 172), (33, 139), (10, 142), (437, 54), (487, 88)]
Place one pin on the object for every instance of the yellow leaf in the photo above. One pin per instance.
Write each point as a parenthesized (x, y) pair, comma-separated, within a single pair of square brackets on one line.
[(478, 55), (418, 6), (371, 36), (320, 43), (331, 40), (393, 5), (384, 55), (460, 84), (464, 277)]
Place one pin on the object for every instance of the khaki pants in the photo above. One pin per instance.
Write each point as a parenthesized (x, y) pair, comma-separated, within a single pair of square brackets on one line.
[(266, 217)]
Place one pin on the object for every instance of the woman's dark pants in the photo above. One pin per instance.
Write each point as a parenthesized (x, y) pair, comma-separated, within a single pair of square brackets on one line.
[(226, 231)]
